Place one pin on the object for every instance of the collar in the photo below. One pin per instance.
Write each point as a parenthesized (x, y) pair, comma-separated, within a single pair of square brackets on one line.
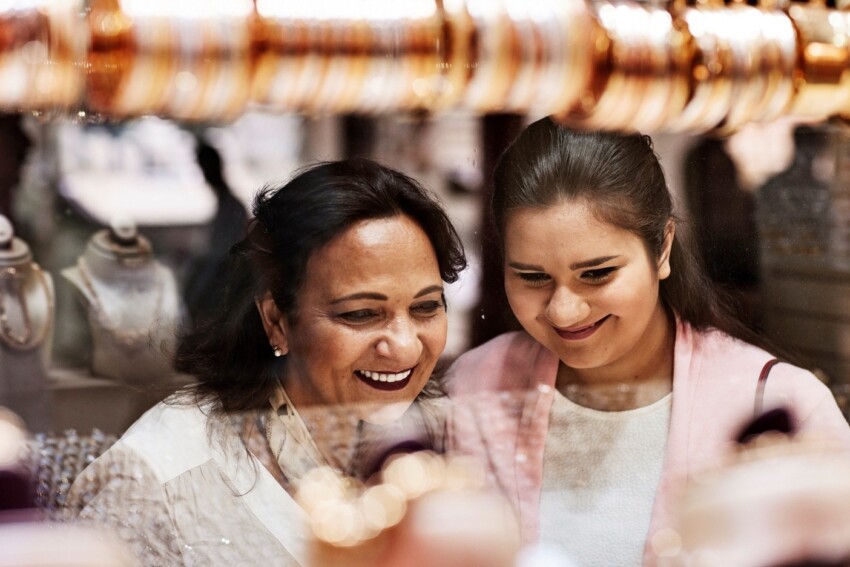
[(293, 442)]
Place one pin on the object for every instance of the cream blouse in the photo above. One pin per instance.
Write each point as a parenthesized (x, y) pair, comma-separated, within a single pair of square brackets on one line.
[(185, 487)]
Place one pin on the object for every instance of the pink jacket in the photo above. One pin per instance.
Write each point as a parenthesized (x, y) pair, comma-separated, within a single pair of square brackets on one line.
[(504, 389)]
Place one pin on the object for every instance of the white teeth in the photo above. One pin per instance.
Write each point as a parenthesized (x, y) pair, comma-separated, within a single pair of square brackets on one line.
[(385, 377)]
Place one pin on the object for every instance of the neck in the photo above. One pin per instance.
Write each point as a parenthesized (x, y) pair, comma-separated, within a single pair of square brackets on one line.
[(108, 262), (334, 428), (336, 432), (641, 377)]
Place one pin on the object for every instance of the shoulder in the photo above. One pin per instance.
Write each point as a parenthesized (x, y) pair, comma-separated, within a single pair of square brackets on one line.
[(714, 352), (730, 368), (170, 438), (118, 474), (507, 361), (713, 343)]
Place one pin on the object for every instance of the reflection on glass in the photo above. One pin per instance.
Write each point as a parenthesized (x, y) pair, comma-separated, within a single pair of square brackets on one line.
[(625, 382)]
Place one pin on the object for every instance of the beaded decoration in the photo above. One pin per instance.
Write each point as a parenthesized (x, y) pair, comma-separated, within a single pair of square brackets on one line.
[(54, 461)]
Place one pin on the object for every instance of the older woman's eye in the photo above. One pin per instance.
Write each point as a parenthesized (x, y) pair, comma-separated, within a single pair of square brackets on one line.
[(427, 308), (358, 316), (534, 279), (597, 276)]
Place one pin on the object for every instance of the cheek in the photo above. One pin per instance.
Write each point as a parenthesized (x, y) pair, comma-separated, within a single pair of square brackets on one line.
[(330, 346), (526, 303), (630, 296), (434, 334), (348, 349)]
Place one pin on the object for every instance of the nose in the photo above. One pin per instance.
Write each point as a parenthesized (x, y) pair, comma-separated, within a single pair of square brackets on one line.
[(400, 341), (566, 308)]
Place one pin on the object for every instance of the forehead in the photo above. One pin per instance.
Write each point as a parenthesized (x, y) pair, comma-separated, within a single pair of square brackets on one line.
[(390, 253), (570, 227)]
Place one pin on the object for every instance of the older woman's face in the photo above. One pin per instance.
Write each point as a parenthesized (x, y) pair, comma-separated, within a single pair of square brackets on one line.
[(370, 321)]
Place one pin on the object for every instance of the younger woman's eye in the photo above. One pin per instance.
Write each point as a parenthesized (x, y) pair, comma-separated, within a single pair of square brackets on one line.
[(597, 276), (427, 308), (359, 316), (534, 278)]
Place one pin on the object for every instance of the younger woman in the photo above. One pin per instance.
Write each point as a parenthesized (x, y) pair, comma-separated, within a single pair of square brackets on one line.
[(631, 372)]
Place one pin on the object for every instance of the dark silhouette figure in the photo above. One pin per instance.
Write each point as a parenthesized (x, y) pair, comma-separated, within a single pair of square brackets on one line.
[(723, 216), (15, 144), (207, 273)]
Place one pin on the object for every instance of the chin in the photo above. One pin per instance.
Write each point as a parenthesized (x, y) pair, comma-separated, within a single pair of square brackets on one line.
[(384, 413)]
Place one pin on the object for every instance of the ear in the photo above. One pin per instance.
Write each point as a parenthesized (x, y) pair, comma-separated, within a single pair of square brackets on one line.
[(273, 322), (664, 260)]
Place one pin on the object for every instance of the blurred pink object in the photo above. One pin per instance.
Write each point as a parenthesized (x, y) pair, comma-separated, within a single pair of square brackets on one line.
[(427, 511), (780, 501), (35, 544)]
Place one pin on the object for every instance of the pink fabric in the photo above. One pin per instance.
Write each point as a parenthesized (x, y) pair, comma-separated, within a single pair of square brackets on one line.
[(503, 391)]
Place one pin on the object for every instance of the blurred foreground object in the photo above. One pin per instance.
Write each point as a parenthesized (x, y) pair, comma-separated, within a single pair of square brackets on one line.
[(779, 501), (58, 545), (426, 511), (25, 540), (16, 490), (621, 65), (42, 48)]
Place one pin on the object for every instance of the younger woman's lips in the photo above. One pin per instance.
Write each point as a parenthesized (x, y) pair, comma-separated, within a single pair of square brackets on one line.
[(581, 333)]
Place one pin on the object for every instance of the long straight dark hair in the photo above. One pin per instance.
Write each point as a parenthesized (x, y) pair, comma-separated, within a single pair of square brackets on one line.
[(621, 179)]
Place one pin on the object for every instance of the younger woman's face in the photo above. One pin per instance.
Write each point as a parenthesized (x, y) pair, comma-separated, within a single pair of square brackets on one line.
[(585, 289), (370, 322)]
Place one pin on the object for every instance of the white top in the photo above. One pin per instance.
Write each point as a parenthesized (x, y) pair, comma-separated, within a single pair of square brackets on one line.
[(600, 473), (181, 488), (184, 486)]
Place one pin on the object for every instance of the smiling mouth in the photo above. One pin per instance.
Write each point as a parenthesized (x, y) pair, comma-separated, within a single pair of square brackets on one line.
[(581, 332), (386, 381)]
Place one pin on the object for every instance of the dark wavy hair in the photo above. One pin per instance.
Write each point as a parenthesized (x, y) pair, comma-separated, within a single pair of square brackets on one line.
[(620, 177), (229, 355)]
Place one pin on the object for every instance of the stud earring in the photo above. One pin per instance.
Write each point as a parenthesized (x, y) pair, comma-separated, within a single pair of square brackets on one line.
[(277, 351)]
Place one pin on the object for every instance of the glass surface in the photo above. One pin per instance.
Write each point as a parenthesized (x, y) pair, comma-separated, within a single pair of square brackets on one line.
[(130, 205)]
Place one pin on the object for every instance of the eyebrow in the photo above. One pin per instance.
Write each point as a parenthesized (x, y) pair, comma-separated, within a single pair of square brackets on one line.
[(430, 289), (361, 295), (381, 297), (592, 263)]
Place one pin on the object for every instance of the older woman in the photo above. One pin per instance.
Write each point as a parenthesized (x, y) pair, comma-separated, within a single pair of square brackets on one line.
[(329, 328)]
